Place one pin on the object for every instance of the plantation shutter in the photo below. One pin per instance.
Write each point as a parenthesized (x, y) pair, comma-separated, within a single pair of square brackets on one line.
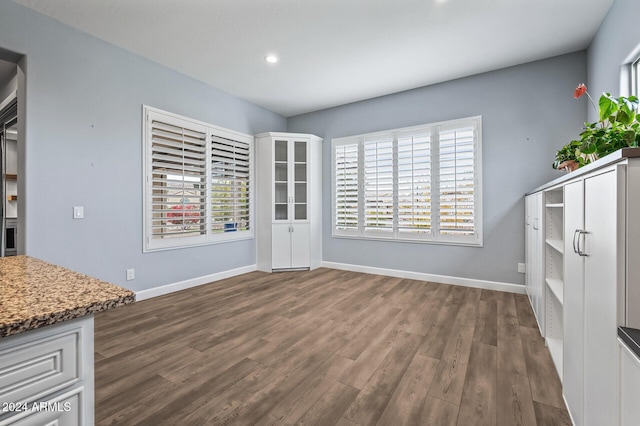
[(457, 181), (177, 177), (378, 185), (419, 183), (414, 185), (346, 189), (230, 185)]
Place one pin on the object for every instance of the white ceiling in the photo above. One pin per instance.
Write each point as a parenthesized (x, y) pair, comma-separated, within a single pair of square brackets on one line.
[(333, 52)]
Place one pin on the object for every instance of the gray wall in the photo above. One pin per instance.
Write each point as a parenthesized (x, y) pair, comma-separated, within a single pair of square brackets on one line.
[(83, 147), (528, 113), (616, 43)]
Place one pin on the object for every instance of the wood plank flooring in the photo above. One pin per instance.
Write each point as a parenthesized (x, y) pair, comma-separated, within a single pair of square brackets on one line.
[(325, 347)]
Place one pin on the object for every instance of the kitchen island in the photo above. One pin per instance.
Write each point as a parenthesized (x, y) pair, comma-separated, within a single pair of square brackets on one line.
[(46, 341)]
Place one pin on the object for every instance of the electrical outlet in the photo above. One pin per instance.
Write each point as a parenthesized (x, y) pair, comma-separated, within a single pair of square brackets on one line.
[(131, 274), (522, 268)]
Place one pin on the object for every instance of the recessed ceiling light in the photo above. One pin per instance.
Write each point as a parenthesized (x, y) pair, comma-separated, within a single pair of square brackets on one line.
[(272, 59)]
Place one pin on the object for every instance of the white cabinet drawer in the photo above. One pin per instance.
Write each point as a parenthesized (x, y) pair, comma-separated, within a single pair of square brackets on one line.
[(63, 410), (33, 368)]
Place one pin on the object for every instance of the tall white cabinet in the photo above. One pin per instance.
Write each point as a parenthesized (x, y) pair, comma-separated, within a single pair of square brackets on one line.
[(289, 201), (595, 259), (591, 280), (574, 302)]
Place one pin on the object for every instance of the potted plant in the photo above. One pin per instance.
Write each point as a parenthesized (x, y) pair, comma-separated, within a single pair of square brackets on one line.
[(618, 127), (569, 157)]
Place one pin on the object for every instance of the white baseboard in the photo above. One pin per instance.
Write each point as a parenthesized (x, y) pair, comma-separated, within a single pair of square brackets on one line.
[(468, 282), (193, 282), (443, 279)]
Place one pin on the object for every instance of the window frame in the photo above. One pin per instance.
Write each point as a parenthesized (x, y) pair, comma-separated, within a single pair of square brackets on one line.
[(635, 78), (433, 236), (209, 237)]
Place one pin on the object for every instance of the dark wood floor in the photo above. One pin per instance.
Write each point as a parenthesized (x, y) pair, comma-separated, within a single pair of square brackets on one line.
[(325, 347)]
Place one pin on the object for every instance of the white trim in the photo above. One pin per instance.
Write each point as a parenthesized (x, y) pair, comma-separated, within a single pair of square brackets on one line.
[(192, 282), (381, 237), (421, 276), (285, 135)]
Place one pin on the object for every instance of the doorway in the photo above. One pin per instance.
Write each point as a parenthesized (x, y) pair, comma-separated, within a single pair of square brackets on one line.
[(9, 165)]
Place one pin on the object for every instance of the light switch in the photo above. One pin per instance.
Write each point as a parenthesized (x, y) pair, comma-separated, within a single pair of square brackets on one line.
[(78, 212)]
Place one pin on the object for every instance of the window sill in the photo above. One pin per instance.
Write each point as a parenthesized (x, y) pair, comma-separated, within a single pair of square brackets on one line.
[(200, 244), (476, 244)]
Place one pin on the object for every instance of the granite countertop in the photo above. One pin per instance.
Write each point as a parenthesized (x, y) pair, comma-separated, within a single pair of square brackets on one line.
[(34, 294)]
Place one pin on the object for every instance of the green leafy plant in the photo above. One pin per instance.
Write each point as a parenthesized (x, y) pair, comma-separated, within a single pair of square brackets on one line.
[(618, 127), (569, 156)]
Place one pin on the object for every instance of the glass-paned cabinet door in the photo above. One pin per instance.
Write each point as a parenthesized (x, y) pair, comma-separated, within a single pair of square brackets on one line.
[(281, 180), (300, 180)]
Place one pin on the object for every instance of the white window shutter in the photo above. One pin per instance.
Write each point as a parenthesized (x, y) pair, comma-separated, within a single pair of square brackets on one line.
[(230, 185), (177, 180), (378, 185), (457, 182), (197, 182), (346, 187), (414, 185), (419, 183)]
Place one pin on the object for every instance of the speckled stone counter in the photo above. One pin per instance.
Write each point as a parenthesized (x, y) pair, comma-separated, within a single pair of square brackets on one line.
[(34, 294)]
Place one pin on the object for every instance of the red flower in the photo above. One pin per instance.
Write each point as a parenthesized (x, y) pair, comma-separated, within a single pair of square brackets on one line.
[(181, 214), (580, 90)]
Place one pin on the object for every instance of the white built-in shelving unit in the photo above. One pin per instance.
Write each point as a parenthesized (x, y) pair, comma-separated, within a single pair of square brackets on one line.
[(554, 273), (590, 282), (289, 201)]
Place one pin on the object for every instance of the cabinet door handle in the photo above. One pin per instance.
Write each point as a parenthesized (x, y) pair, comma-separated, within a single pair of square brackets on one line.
[(580, 252), (575, 234)]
